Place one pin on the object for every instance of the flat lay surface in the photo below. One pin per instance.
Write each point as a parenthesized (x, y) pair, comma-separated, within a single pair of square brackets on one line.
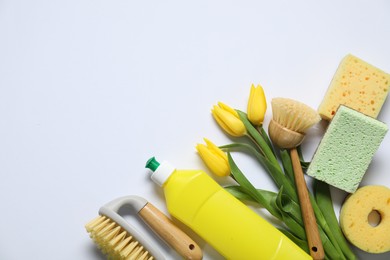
[(90, 90)]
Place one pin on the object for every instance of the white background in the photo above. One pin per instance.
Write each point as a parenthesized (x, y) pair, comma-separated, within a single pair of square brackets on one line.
[(89, 90)]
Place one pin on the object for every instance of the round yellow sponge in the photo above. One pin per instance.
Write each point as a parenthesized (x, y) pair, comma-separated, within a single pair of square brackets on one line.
[(358, 222)]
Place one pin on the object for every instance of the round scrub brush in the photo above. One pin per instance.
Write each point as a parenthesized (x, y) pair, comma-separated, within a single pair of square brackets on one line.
[(287, 129)]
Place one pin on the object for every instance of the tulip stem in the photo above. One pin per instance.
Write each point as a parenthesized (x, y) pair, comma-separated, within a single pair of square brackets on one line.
[(256, 144), (259, 140), (261, 130)]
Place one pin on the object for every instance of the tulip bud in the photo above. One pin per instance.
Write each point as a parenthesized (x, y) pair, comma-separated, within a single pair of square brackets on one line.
[(214, 158), (228, 119), (257, 105)]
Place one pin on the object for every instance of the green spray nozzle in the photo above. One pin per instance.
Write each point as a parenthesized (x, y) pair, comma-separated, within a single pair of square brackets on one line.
[(152, 164)]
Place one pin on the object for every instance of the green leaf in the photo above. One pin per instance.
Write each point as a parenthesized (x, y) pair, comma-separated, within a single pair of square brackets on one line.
[(275, 172), (278, 176), (290, 207), (300, 242), (297, 226), (240, 193), (259, 140), (304, 164), (291, 223), (265, 136), (287, 165), (324, 202), (249, 188), (330, 250)]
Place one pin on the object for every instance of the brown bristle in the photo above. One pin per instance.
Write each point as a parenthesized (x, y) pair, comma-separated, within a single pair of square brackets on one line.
[(114, 241), (293, 115)]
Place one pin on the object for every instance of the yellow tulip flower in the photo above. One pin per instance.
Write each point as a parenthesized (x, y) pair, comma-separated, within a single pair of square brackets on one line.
[(214, 158), (228, 119), (257, 105)]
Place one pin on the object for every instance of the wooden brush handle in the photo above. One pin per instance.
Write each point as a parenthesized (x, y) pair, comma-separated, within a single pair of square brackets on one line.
[(170, 233), (309, 219)]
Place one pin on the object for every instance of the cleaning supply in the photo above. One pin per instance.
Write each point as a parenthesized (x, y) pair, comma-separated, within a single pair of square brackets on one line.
[(358, 85), (224, 222), (371, 201), (119, 240), (346, 149), (290, 121)]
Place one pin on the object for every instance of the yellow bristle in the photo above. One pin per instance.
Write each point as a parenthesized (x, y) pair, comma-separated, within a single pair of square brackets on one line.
[(111, 244), (122, 245), (144, 256), (90, 225), (102, 232), (106, 240), (112, 234), (116, 240), (113, 241), (135, 253), (100, 226), (293, 115), (129, 249)]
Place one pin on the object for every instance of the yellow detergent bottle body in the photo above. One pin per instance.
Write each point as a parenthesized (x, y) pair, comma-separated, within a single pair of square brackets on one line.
[(224, 222)]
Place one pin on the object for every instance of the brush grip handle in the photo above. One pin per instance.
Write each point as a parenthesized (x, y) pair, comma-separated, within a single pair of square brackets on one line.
[(309, 219), (170, 233)]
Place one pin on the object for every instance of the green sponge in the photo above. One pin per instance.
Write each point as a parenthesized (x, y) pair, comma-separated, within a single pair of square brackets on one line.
[(346, 149)]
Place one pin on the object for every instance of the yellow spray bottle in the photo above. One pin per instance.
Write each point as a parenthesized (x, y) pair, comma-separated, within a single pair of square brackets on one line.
[(224, 222)]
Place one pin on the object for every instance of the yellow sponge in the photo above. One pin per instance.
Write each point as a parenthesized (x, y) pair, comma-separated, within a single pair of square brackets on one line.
[(357, 85), (355, 218)]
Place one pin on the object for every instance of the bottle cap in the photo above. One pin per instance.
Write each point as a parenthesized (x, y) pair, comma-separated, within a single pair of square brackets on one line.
[(161, 171), (152, 164)]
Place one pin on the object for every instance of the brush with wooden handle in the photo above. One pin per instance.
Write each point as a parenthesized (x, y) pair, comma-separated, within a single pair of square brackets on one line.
[(118, 239), (290, 121)]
